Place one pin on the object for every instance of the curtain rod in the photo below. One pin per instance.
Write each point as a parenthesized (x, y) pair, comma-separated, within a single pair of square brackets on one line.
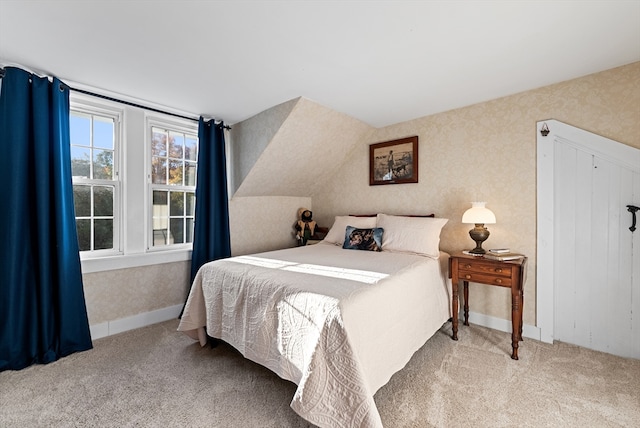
[(105, 97)]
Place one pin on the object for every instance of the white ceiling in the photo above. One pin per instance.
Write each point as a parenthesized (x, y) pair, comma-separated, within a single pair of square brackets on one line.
[(382, 62)]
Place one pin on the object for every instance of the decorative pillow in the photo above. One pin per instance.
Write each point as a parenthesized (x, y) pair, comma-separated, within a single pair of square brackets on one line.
[(417, 235), (363, 239), (336, 233)]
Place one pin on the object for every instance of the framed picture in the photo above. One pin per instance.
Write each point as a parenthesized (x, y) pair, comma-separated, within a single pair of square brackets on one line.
[(394, 162)]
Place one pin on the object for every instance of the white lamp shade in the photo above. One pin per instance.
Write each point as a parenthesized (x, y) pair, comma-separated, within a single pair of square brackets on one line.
[(478, 214)]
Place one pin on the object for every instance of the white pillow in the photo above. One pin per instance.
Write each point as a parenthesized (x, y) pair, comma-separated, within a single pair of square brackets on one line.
[(336, 233), (417, 235)]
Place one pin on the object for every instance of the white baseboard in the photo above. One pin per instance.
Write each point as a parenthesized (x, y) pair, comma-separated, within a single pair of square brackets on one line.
[(500, 324), (159, 315), (135, 321)]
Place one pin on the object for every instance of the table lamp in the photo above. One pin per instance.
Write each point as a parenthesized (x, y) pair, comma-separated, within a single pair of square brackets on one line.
[(479, 215)]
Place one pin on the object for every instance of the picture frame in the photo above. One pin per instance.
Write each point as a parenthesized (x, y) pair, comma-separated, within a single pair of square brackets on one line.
[(394, 162)]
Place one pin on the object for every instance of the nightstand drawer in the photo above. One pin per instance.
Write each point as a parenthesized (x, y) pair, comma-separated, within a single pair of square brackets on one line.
[(484, 268), (488, 278)]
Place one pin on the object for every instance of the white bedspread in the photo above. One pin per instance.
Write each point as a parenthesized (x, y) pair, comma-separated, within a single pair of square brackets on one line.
[(338, 323)]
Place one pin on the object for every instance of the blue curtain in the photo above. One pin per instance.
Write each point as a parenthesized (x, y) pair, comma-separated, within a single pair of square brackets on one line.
[(211, 239), (43, 316)]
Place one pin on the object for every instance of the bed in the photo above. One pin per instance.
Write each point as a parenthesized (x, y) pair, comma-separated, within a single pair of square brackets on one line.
[(336, 321)]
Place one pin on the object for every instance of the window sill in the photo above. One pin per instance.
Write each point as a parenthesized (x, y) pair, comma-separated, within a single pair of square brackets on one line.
[(124, 261)]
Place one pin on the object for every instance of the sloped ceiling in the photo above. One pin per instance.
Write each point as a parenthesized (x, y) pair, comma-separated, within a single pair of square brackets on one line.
[(309, 146), (252, 136)]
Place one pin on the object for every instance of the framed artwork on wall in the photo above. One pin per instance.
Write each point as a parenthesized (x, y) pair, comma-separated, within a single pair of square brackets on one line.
[(394, 162)]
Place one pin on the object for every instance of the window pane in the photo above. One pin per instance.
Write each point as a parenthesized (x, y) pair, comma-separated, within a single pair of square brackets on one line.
[(80, 162), (159, 170), (103, 237), (191, 148), (190, 204), (103, 133), (173, 159), (159, 237), (160, 218), (175, 172), (177, 232), (160, 215), (84, 234), (176, 141), (176, 206), (80, 130), (82, 200), (190, 174), (158, 142), (93, 149), (189, 230), (160, 199), (102, 164), (103, 201)]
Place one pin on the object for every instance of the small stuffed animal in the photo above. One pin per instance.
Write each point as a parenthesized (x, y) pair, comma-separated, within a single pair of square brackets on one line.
[(305, 226)]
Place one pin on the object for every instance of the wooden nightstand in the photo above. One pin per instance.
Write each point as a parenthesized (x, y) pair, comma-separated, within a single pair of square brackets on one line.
[(510, 274)]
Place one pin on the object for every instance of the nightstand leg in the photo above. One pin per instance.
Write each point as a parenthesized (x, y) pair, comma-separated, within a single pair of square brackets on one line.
[(521, 312), (516, 321), (454, 308), (466, 302)]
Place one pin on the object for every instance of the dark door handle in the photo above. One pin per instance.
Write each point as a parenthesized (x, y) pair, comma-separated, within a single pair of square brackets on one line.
[(633, 209)]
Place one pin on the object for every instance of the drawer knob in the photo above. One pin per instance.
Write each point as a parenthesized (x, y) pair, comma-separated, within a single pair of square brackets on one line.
[(498, 270), (467, 276), (467, 266), (498, 281)]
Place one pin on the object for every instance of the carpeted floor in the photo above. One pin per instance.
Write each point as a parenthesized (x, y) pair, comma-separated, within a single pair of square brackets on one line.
[(157, 377)]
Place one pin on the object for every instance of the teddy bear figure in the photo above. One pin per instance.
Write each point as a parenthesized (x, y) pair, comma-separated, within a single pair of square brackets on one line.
[(305, 226)]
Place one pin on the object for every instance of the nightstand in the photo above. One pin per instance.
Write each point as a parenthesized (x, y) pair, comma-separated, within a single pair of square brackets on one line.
[(478, 269)]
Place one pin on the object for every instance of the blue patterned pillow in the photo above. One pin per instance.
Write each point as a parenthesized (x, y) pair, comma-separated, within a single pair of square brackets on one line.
[(363, 239)]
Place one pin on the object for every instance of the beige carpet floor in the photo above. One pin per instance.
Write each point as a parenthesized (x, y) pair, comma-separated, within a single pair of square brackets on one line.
[(157, 377)]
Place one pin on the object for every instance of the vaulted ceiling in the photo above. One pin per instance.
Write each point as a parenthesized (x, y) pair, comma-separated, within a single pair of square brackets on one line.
[(380, 62)]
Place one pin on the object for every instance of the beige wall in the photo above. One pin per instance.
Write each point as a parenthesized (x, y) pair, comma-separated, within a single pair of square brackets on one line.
[(482, 152), (117, 294), (264, 223), (487, 152), (309, 146)]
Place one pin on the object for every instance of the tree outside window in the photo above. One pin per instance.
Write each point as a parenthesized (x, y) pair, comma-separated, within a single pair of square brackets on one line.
[(95, 185), (173, 168)]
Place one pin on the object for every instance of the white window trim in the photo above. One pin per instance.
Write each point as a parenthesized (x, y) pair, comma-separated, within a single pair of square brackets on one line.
[(133, 125), (101, 264)]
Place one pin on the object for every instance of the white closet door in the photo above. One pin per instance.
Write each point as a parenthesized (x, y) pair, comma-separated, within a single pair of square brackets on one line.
[(596, 256)]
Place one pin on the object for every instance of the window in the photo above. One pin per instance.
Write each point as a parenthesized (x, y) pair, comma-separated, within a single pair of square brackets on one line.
[(134, 175), (96, 188), (173, 157)]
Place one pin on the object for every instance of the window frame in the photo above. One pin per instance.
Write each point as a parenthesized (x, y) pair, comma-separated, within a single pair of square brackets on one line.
[(133, 208), (84, 106), (185, 127)]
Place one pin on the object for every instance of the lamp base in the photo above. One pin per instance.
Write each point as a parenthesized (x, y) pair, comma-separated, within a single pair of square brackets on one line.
[(479, 234)]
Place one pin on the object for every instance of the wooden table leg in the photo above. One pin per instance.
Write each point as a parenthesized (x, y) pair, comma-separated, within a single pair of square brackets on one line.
[(521, 311), (516, 321), (466, 302), (454, 307)]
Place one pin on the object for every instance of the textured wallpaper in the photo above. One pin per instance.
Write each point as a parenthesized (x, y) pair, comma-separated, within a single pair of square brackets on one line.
[(487, 152), (250, 137), (312, 142), (300, 152), (116, 294), (264, 223)]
